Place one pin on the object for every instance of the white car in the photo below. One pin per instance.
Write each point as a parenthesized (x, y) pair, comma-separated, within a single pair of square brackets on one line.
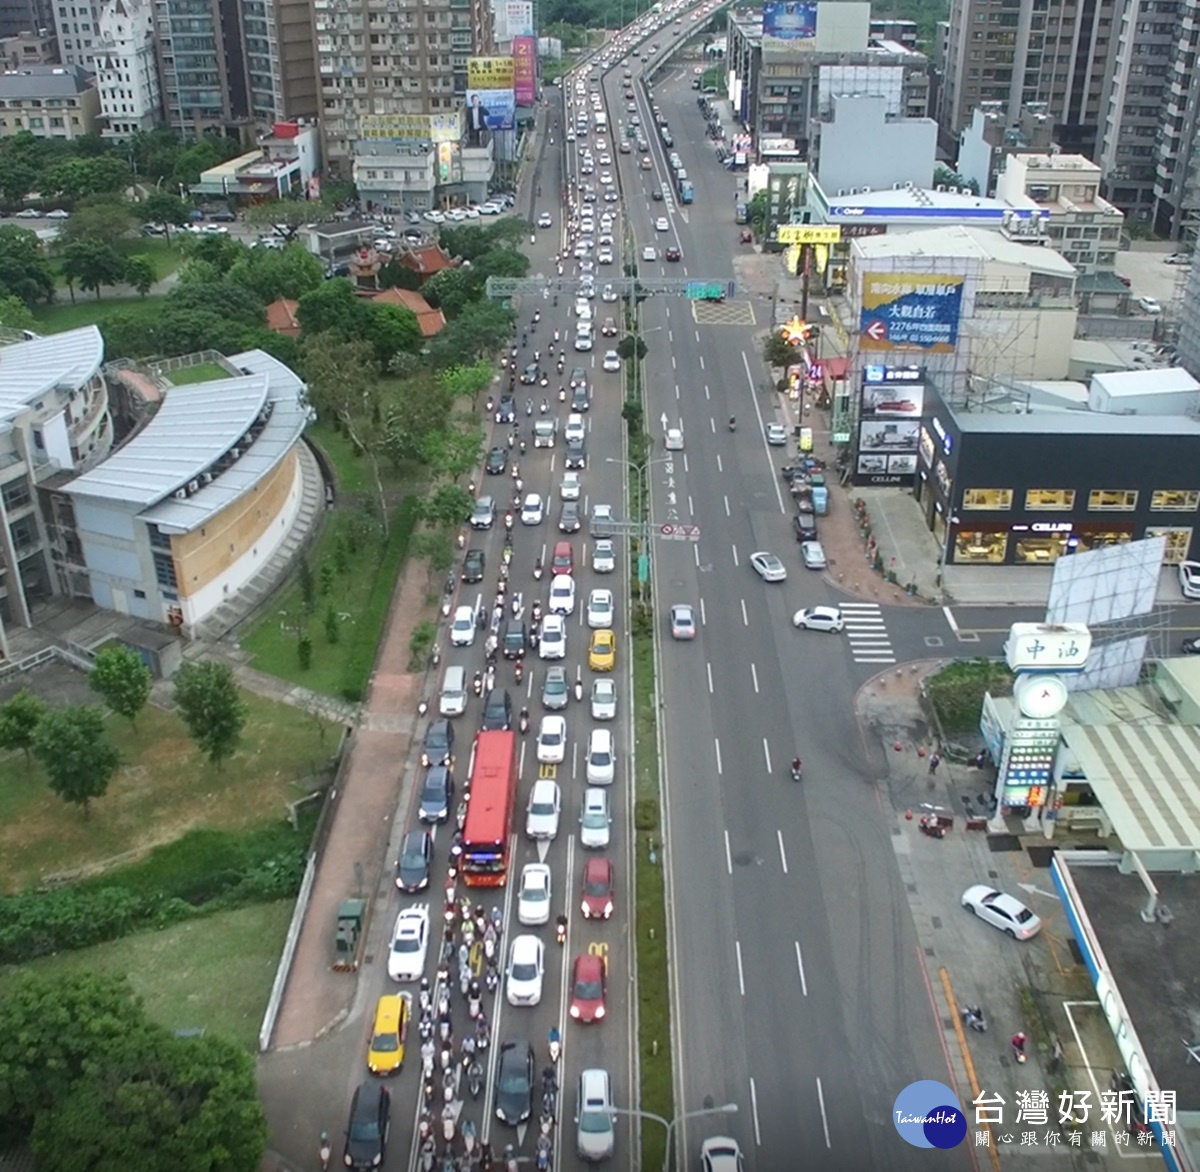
[(600, 613), (661, 224), (604, 698), (532, 510), (649, 252), (604, 256), (583, 342), (575, 430), (552, 740), (606, 178), (776, 434), (1189, 579), (533, 896), (673, 440), (545, 220), (819, 618), (1002, 911), (719, 1153), (1149, 305), (562, 594), (410, 940), (526, 967), (813, 554), (595, 821), (553, 641), (604, 559), (568, 490), (601, 757), (609, 294), (768, 567), (462, 630), (612, 361), (595, 1121), (545, 806)]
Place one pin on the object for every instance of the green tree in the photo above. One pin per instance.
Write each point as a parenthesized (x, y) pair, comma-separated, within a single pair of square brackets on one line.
[(140, 273), (274, 273), (331, 625), (221, 252), (165, 208), (24, 270), (73, 179), (343, 386), (308, 587), (499, 262), (122, 680), (482, 328), (631, 348), (224, 297), (451, 452), (465, 382), (416, 411), (73, 748), (447, 506), (398, 276), (19, 720), (290, 215), (394, 330), (777, 351), (106, 218), (451, 291), (91, 264), (209, 703), (334, 308), (14, 313), (17, 180)]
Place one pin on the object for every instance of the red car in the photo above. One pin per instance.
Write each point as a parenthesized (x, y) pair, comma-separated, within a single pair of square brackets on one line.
[(597, 889), (587, 988), (673, 254), (563, 560)]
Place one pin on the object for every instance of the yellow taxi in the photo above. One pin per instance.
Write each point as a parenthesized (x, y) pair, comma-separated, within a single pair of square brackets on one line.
[(602, 652), (385, 1054)]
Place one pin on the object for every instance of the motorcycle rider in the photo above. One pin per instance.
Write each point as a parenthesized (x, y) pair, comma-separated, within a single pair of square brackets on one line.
[(560, 928), (797, 766)]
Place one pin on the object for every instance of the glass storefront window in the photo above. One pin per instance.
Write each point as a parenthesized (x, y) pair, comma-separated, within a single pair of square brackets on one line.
[(1120, 500), (1174, 500), (987, 499), (980, 547), (1049, 499), (1040, 549), (1099, 538), (1178, 541)]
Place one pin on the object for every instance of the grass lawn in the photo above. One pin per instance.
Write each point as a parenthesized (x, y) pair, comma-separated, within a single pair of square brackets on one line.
[(202, 372), (165, 258), (213, 973), (162, 789), (62, 315)]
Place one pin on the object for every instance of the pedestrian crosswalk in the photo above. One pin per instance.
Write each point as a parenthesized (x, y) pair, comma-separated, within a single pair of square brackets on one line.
[(865, 629)]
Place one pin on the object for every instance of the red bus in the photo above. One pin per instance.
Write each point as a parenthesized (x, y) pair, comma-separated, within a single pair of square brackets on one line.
[(488, 829)]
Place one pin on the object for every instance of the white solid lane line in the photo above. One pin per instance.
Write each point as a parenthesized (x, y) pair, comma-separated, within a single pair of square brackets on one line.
[(824, 1117), (800, 968), (754, 678), (737, 945), (745, 616), (735, 555), (782, 853), (703, 614), (708, 669), (754, 1113), (728, 854), (727, 512), (767, 755), (720, 465), (717, 747)]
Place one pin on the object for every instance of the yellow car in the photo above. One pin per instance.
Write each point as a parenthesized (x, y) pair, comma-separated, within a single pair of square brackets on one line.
[(602, 654), (386, 1052)]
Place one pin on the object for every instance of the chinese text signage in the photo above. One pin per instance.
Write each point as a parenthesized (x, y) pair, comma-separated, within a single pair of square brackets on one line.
[(809, 234), (910, 311), (490, 73), (790, 20), (525, 70)]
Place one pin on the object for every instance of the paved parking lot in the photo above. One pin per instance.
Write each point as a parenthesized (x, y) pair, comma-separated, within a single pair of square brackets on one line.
[(1148, 275)]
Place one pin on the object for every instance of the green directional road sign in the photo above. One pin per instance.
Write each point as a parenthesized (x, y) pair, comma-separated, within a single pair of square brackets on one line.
[(705, 290), (643, 569)]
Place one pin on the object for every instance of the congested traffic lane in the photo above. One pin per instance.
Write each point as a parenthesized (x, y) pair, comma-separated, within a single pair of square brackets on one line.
[(799, 993)]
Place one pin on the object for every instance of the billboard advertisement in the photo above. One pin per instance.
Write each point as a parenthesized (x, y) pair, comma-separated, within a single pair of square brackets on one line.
[(410, 128), (525, 70), (490, 110), (889, 429), (518, 18), (790, 20), (490, 73), (910, 311)]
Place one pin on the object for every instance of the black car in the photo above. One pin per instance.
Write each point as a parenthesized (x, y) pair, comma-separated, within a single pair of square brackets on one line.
[(576, 456), (568, 519), (578, 377), (414, 859), (438, 748), (437, 795), (223, 217), (656, 193), (579, 399), (514, 1083), (473, 564), (673, 253), (516, 639), (367, 1131), (530, 374), (506, 409), (497, 461), (497, 711), (805, 525)]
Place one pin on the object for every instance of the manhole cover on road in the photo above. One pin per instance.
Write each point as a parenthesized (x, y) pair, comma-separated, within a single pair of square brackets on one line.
[(1000, 844), (934, 641)]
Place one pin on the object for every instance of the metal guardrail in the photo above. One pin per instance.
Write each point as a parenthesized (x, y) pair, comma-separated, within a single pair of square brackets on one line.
[(46, 655)]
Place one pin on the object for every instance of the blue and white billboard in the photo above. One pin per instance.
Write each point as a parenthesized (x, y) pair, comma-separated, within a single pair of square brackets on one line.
[(790, 20)]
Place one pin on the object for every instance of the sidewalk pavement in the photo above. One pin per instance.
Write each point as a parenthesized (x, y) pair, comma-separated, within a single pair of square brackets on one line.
[(1037, 987)]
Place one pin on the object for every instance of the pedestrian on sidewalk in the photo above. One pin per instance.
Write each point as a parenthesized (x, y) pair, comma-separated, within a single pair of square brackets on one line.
[(934, 762)]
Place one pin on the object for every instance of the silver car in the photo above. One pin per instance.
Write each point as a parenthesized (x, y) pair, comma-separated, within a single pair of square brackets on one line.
[(813, 555), (595, 1123), (604, 698), (595, 821), (604, 558), (556, 692)]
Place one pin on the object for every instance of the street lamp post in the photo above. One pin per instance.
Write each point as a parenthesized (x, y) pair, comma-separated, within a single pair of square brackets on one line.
[(643, 494), (671, 1124)]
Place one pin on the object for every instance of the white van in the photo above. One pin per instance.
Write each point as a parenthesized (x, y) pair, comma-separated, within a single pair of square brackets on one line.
[(543, 433), (453, 699)]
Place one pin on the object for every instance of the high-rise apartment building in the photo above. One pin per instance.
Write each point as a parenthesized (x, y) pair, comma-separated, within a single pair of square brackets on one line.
[(1021, 51), (25, 16), (235, 65), (393, 58), (127, 69), (1177, 144), (77, 26)]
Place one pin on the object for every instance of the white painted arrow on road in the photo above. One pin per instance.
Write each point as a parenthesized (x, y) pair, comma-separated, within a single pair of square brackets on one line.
[(1033, 889), (663, 420)]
